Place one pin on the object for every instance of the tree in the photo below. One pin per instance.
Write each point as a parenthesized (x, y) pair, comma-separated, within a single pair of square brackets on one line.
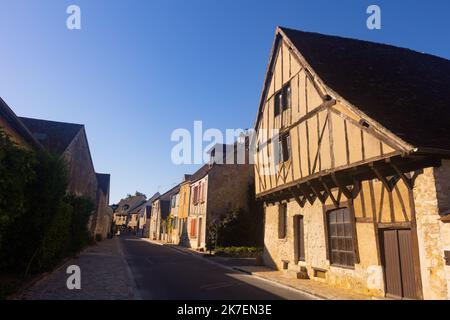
[(136, 194)]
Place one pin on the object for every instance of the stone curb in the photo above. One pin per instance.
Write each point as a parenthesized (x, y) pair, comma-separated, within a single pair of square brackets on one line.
[(309, 292)]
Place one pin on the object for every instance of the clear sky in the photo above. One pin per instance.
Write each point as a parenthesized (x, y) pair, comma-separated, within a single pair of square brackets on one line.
[(139, 69)]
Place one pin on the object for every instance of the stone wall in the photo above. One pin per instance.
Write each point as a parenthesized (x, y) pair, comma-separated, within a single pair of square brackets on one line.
[(366, 277), (228, 188), (431, 199), (104, 216), (82, 177)]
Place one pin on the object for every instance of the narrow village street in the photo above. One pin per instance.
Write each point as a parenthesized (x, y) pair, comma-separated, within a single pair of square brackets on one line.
[(131, 268)]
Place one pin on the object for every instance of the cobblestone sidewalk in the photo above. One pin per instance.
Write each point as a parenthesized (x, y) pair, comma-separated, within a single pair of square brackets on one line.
[(104, 276)]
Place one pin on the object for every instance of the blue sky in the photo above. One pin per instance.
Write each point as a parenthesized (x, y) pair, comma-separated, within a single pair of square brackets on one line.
[(138, 69)]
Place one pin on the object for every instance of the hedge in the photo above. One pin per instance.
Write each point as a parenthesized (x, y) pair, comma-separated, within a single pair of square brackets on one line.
[(39, 223)]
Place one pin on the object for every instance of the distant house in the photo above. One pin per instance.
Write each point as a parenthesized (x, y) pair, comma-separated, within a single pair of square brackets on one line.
[(217, 188), (145, 215), (134, 214), (356, 185), (160, 224), (120, 214), (180, 235)]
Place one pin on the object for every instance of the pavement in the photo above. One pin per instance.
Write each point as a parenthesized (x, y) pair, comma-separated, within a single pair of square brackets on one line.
[(104, 276)]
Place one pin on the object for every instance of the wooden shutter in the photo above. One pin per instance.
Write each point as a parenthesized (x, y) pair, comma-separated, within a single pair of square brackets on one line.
[(399, 263), (392, 263), (407, 264), (282, 223)]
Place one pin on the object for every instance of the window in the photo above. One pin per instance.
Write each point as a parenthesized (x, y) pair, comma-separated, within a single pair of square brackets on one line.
[(286, 97), (195, 197), (341, 237), (284, 148), (278, 101), (282, 221), (282, 100), (202, 194)]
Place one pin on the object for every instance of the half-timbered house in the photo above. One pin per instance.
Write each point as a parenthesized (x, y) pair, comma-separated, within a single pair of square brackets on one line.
[(352, 165)]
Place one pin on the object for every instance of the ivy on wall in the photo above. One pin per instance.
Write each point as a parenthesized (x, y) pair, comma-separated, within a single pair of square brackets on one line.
[(39, 223)]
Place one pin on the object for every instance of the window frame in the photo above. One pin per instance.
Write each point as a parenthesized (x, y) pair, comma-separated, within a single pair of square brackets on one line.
[(284, 145), (328, 209), (287, 97), (282, 99)]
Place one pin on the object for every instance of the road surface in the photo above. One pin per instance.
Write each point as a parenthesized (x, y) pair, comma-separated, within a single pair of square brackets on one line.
[(161, 272)]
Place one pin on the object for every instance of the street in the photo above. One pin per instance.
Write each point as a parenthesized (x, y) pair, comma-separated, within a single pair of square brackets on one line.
[(130, 268), (164, 273)]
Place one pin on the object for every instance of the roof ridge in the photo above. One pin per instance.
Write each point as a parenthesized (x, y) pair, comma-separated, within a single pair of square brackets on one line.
[(360, 40)]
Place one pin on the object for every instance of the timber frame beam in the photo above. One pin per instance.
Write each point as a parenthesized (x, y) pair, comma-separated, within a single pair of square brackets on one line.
[(332, 185)]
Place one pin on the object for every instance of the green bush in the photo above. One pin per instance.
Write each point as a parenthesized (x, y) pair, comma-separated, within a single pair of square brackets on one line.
[(39, 223), (238, 252)]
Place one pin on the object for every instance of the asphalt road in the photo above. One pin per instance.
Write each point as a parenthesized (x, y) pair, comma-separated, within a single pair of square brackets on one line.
[(164, 273)]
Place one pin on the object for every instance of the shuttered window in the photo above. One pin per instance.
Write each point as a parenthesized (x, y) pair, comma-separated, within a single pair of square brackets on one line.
[(341, 237), (282, 221), (193, 227)]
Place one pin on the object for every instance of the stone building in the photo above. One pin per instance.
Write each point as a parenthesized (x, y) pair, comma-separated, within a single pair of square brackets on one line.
[(134, 215), (181, 231), (159, 221), (174, 236), (215, 189), (352, 165), (121, 211), (145, 215), (104, 212), (69, 141)]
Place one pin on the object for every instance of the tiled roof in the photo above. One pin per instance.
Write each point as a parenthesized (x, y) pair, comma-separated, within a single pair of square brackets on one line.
[(54, 136), (200, 173), (405, 91)]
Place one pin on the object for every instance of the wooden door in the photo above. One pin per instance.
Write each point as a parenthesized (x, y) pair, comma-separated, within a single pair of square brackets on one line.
[(300, 238), (398, 263)]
